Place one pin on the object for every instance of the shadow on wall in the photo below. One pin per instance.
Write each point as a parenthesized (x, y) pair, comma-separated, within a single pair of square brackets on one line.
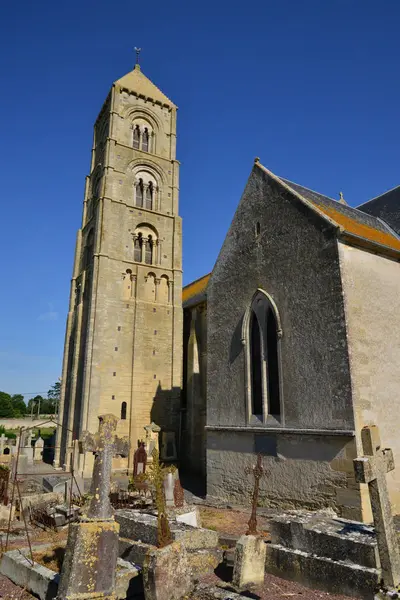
[(169, 412)]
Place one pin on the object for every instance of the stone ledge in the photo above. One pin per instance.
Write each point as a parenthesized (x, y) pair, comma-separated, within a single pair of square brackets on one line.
[(281, 430), (37, 579), (332, 576)]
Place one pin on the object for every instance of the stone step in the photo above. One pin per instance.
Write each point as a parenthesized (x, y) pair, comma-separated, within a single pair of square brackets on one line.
[(337, 577), (327, 537)]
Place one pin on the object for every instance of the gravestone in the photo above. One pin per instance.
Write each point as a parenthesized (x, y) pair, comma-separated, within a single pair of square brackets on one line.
[(92, 549), (152, 440), (249, 565), (38, 450), (3, 442), (168, 446), (372, 469), (26, 446), (169, 481)]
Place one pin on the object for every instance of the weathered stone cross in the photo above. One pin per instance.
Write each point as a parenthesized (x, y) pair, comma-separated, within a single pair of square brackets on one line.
[(105, 444), (372, 469), (258, 472)]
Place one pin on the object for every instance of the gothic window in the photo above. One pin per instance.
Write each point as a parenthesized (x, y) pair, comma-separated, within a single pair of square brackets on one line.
[(136, 137), (123, 411), (262, 357), (139, 193), (149, 196), (256, 367), (138, 248), (145, 140), (148, 254)]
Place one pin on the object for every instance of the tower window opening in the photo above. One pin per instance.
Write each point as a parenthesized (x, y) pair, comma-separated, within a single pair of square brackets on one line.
[(139, 193), (149, 196), (136, 137), (145, 140), (138, 248), (148, 256), (123, 411)]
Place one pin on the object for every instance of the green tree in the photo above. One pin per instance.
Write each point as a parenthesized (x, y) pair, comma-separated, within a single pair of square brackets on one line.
[(53, 396), (19, 405), (6, 406), (34, 403)]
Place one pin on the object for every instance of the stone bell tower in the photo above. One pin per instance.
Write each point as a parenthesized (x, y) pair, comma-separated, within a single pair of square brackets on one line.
[(123, 344)]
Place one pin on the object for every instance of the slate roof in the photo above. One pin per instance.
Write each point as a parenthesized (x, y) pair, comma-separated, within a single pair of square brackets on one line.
[(351, 220), (367, 228), (137, 82)]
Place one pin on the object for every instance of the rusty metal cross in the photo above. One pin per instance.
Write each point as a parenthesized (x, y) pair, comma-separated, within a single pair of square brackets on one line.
[(372, 469), (105, 444), (258, 472)]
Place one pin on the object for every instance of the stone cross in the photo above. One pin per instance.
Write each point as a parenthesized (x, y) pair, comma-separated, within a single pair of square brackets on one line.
[(105, 444), (372, 469), (258, 472)]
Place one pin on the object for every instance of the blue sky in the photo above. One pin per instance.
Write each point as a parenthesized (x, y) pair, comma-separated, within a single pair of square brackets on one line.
[(310, 86)]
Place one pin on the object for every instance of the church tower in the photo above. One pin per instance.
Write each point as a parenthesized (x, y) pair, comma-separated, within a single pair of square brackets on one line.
[(123, 345)]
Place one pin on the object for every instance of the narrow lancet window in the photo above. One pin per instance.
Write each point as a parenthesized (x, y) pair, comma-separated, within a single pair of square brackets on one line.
[(136, 137), (148, 258), (138, 248), (139, 193), (123, 411), (256, 367), (145, 140), (274, 407), (149, 196)]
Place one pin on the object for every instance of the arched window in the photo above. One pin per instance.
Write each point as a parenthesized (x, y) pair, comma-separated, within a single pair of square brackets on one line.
[(149, 196), (145, 140), (145, 243), (138, 248), (89, 246), (148, 252), (257, 365), (262, 339), (123, 411), (136, 137), (139, 193)]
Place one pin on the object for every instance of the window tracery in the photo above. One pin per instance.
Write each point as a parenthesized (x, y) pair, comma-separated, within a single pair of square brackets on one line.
[(262, 340), (146, 190)]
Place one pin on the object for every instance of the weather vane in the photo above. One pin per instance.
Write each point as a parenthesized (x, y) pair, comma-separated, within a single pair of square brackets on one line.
[(138, 51)]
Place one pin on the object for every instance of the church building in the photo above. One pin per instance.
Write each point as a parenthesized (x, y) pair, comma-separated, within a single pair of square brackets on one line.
[(288, 348)]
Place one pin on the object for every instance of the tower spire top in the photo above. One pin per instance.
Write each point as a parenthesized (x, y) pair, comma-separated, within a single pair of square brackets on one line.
[(138, 51)]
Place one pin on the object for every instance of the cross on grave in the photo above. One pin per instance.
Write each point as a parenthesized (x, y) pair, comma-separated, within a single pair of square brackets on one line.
[(105, 444), (258, 472), (372, 469)]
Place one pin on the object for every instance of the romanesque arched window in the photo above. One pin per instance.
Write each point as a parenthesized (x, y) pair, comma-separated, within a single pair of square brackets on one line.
[(145, 243), (146, 189), (262, 341), (123, 411), (136, 137)]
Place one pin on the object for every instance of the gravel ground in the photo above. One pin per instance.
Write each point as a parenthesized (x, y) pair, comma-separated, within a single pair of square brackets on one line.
[(274, 588), (9, 591)]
